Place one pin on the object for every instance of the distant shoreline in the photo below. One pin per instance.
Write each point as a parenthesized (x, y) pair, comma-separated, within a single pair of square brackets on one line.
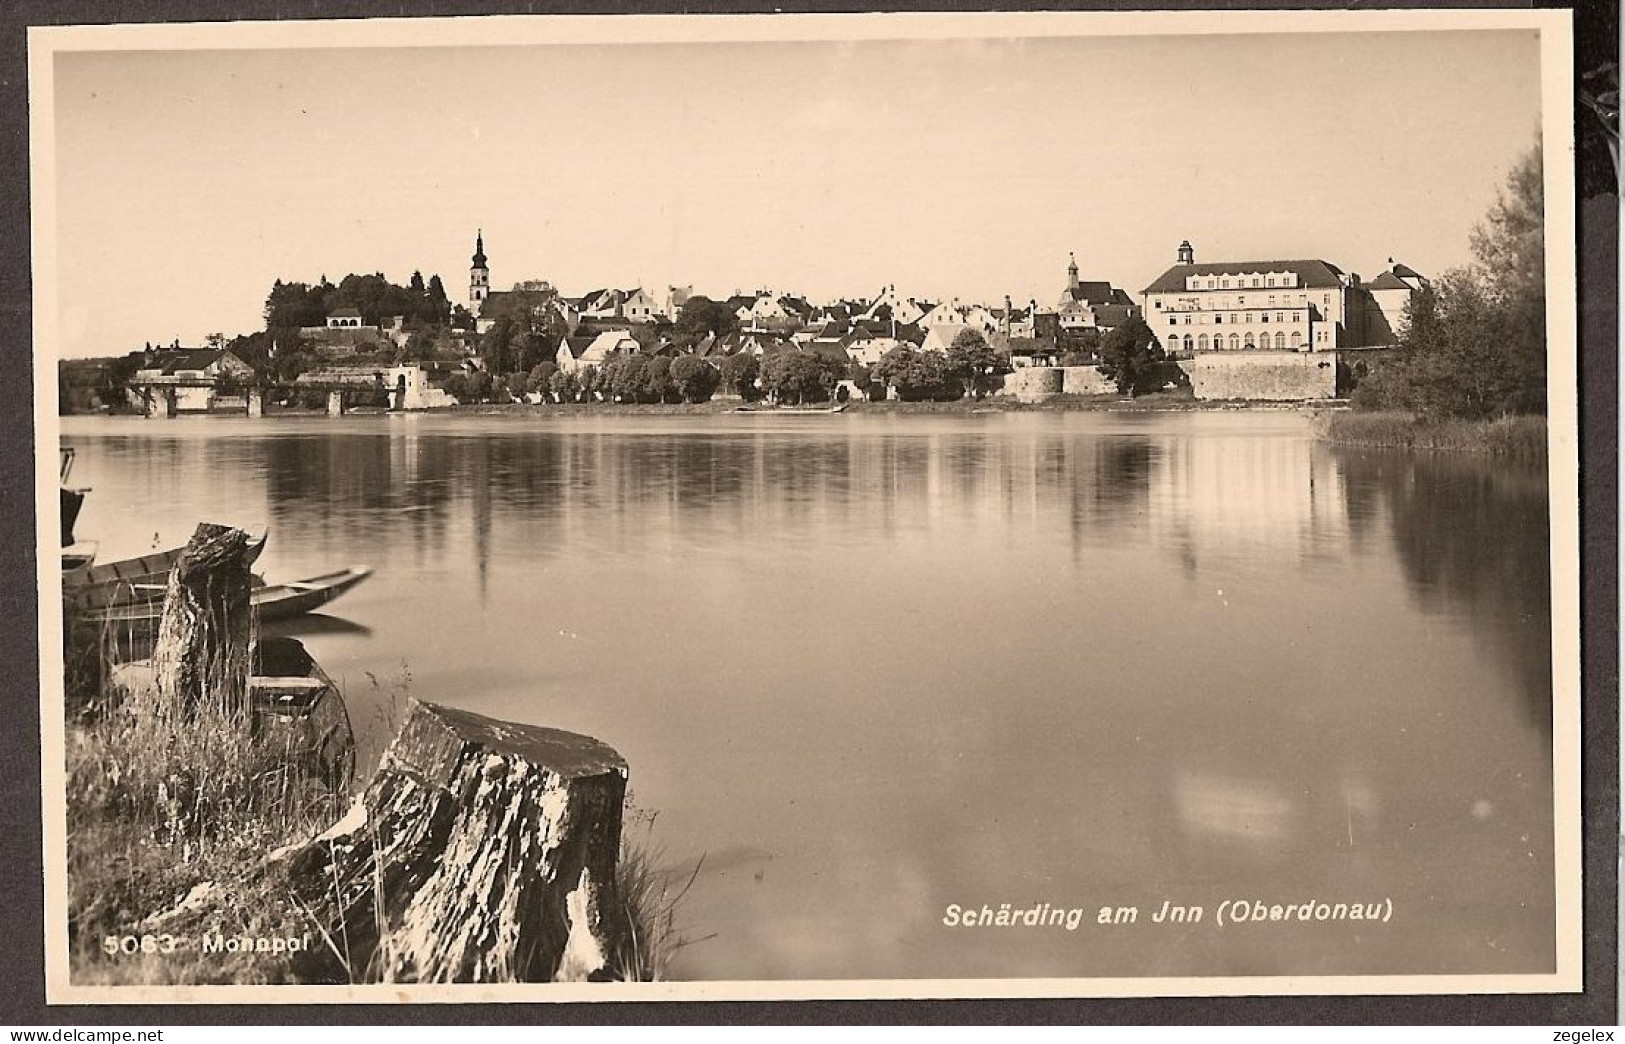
[(1153, 403)]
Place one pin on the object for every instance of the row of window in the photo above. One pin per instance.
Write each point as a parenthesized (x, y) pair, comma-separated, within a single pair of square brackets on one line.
[(1225, 282), (1240, 301), (1246, 317), (1235, 342)]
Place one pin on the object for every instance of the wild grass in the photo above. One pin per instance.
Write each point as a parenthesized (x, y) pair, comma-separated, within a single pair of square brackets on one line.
[(1517, 437), (160, 799), (650, 892), (160, 802)]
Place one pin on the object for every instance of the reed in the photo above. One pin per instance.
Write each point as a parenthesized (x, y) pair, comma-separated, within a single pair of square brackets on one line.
[(1518, 437), (650, 892), (159, 800)]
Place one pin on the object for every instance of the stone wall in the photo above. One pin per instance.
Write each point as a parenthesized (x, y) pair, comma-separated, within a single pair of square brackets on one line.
[(1034, 383), (1263, 376), (1086, 380)]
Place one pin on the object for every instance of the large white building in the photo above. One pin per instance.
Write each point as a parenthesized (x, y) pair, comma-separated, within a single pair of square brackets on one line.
[(1298, 306)]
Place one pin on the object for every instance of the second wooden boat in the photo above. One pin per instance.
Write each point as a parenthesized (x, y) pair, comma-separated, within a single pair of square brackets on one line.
[(132, 581)]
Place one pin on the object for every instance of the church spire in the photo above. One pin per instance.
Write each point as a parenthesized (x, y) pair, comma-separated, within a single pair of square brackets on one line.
[(1071, 271), (479, 274)]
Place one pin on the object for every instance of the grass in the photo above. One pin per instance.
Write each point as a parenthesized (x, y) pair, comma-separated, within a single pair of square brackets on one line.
[(1516, 437), (650, 893), (159, 802)]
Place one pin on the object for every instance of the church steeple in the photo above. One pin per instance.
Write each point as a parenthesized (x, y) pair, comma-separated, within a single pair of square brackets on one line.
[(479, 274), (1072, 271)]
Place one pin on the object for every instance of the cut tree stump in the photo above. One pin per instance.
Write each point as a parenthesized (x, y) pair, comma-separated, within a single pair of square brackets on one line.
[(202, 650), (482, 851)]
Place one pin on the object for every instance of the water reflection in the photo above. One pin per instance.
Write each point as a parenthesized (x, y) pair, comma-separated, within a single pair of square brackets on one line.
[(1472, 536), (874, 666)]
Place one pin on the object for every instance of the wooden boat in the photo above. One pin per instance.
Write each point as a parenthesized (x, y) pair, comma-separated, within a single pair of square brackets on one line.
[(131, 581), (76, 554), (297, 706), (133, 625), (281, 601)]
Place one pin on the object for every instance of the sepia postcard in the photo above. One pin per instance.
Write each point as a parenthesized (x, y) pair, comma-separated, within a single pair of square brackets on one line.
[(812, 506)]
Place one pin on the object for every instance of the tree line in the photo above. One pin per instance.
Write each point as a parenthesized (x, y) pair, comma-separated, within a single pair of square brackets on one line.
[(1474, 342), (292, 305)]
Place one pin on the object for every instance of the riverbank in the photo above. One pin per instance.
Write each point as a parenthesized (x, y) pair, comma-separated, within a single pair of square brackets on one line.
[(1521, 438), (1154, 403)]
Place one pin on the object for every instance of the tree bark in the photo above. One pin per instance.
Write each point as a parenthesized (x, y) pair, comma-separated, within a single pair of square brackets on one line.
[(202, 649), (482, 851)]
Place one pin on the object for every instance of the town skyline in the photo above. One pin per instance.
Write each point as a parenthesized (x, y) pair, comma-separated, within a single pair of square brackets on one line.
[(949, 168)]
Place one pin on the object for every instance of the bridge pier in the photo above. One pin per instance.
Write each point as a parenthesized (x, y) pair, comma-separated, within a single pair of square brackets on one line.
[(335, 404), (256, 402)]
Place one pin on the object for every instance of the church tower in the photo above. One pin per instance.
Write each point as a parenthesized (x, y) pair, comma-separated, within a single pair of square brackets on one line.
[(1187, 254), (1072, 272), (479, 275)]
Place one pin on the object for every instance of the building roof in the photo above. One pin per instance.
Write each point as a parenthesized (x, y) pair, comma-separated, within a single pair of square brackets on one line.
[(1097, 292), (168, 363), (576, 345), (358, 375), (510, 304), (1031, 345), (1112, 315), (1388, 281), (607, 342), (345, 313), (1313, 273)]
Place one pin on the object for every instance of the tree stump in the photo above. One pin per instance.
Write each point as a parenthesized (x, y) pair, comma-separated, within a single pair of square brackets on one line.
[(203, 634), (482, 851)]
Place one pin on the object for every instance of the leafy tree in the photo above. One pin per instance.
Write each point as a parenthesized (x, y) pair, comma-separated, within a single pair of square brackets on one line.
[(457, 387), (1131, 358), (421, 345), (917, 375), (739, 373), (498, 346), (540, 378), (650, 336), (657, 386), (591, 381), (1474, 342), (438, 308), (695, 379), (1079, 347), (626, 375), (700, 316), (796, 376), (564, 386), (972, 361), (293, 305)]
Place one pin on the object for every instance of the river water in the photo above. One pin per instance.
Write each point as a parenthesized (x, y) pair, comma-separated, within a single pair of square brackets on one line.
[(868, 667)]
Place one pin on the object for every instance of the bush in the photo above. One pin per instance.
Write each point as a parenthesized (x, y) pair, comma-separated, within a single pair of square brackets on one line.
[(918, 375), (695, 379), (564, 386), (794, 376), (739, 372)]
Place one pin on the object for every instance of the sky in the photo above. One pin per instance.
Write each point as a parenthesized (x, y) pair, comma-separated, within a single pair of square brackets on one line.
[(189, 180)]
